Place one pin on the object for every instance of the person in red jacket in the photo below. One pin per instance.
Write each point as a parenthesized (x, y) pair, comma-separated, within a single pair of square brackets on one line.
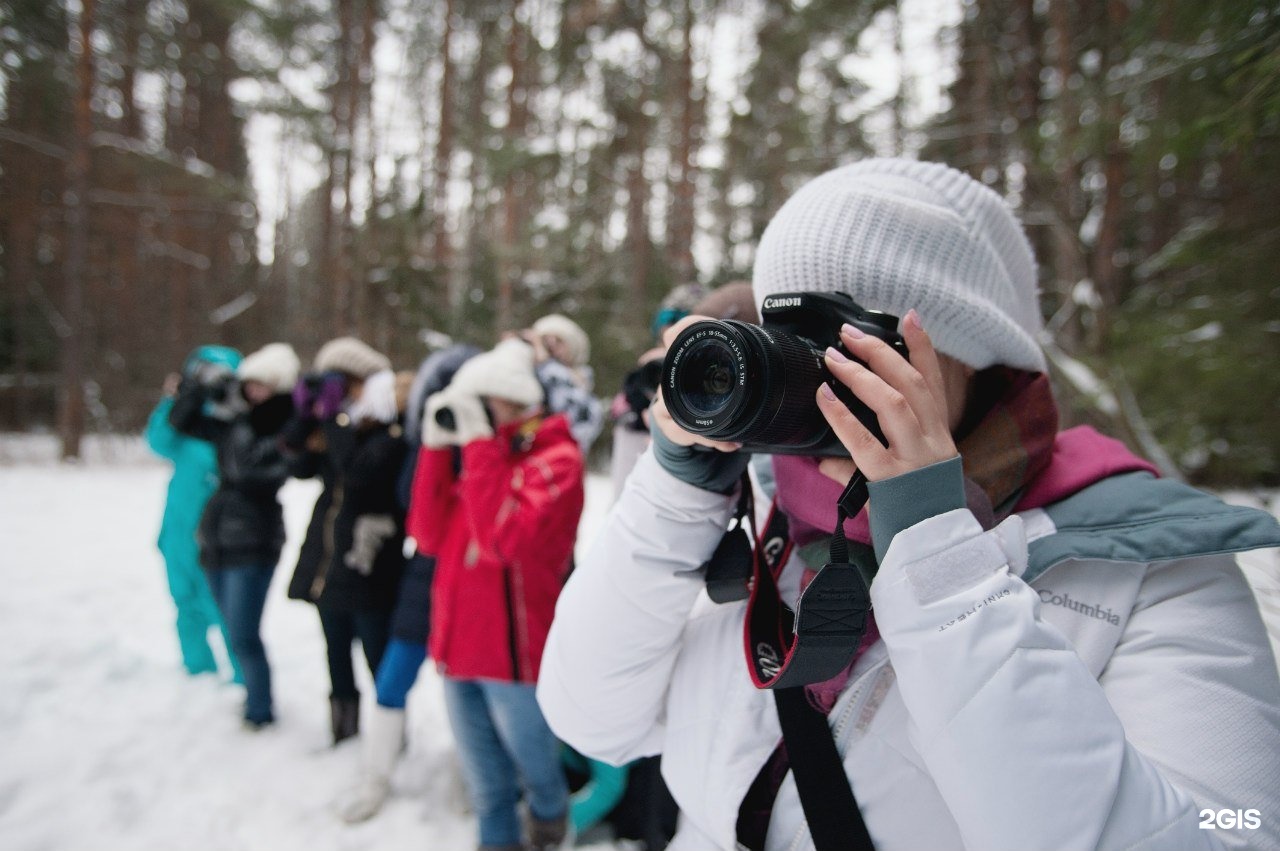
[(506, 520)]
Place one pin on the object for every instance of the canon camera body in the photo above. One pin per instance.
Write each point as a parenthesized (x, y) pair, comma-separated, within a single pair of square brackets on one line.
[(756, 384)]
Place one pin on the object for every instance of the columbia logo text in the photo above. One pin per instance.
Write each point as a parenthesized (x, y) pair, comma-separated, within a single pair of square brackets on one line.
[(1050, 598)]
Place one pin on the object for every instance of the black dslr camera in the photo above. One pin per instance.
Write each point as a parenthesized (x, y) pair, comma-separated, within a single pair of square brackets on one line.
[(220, 386), (755, 384)]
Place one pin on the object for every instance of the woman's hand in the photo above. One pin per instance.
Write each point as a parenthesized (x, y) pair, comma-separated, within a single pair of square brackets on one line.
[(908, 397), (171, 382)]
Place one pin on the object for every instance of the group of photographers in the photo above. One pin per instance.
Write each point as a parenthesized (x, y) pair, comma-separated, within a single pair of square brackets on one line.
[(489, 483), (937, 620)]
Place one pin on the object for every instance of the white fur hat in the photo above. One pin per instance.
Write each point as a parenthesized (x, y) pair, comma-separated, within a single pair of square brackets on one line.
[(575, 339), (352, 356), (900, 234), (504, 372), (275, 365)]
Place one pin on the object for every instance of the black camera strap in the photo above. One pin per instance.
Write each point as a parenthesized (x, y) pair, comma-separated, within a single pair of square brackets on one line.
[(826, 796), (788, 651), (818, 640), (730, 568)]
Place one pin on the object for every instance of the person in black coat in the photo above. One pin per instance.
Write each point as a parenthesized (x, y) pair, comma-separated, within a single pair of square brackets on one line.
[(242, 529), (384, 732), (348, 433)]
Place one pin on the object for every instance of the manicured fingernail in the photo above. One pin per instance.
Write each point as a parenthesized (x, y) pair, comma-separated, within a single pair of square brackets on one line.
[(853, 332), (834, 354), (913, 319), (827, 392)]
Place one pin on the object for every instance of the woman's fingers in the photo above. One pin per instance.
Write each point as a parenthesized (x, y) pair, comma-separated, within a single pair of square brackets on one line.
[(896, 412), (923, 395), (671, 429), (924, 356), (868, 453), (907, 397)]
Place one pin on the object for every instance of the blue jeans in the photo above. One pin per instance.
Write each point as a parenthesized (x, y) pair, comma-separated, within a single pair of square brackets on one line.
[(504, 743), (398, 670), (241, 593)]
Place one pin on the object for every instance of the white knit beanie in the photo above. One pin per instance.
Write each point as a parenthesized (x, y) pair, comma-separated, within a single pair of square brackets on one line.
[(575, 339), (349, 355), (504, 372), (900, 234), (275, 365)]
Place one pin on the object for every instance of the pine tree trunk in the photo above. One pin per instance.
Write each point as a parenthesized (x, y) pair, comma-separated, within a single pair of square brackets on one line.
[(681, 224), (442, 250), (71, 414), (364, 308), (517, 114), (1106, 274), (639, 244), (134, 14)]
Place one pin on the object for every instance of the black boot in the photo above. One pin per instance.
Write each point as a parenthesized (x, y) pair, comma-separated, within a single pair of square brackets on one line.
[(344, 716)]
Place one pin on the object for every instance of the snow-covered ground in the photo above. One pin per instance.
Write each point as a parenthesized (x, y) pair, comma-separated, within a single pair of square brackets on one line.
[(106, 744)]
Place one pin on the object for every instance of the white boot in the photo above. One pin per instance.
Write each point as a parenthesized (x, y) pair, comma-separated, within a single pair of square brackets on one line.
[(384, 739)]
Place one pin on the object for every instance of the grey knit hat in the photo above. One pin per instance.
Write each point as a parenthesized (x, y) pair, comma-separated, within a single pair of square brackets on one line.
[(900, 234), (349, 355)]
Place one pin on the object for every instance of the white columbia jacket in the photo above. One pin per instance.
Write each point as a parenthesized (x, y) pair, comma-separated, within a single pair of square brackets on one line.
[(1093, 675)]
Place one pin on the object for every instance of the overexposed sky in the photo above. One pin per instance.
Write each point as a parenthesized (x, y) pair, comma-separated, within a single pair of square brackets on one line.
[(284, 169)]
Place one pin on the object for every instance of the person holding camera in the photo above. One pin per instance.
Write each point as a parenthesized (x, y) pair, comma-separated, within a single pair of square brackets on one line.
[(242, 529), (384, 734), (347, 431), (195, 477), (505, 516), (630, 409), (1024, 639), (561, 351)]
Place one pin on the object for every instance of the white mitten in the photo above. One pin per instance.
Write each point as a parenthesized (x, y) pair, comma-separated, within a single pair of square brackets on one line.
[(377, 400), (368, 535), (453, 418)]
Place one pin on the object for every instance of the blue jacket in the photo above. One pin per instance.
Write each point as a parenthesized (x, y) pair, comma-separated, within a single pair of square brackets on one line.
[(195, 468)]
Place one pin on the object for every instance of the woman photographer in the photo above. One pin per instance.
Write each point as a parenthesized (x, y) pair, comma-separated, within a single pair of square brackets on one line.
[(505, 519), (195, 477), (1062, 652), (242, 529), (348, 433)]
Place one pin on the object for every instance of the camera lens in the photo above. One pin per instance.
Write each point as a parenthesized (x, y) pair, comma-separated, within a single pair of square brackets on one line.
[(709, 378), (446, 420), (733, 381)]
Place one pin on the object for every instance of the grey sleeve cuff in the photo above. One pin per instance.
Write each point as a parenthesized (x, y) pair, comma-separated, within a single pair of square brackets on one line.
[(700, 466), (903, 501)]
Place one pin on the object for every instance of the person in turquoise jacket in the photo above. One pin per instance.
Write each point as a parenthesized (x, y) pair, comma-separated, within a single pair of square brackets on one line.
[(195, 477)]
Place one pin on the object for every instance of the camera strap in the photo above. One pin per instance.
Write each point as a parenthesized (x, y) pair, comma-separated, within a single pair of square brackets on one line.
[(816, 642), (828, 625), (826, 795), (729, 570)]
